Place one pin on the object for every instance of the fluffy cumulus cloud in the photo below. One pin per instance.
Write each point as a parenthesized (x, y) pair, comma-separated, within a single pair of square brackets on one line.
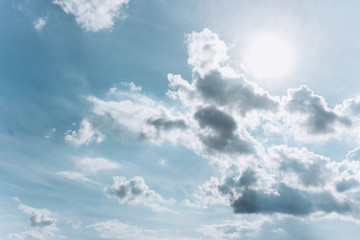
[(206, 50), (309, 117), (86, 134), (135, 191), (42, 222), (300, 168), (93, 15), (229, 120)]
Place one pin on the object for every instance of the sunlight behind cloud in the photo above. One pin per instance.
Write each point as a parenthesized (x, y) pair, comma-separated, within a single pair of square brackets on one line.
[(269, 56)]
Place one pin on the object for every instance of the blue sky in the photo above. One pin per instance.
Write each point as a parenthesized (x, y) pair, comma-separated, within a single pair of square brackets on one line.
[(135, 119)]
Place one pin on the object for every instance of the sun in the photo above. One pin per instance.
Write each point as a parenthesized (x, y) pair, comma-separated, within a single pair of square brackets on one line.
[(269, 56)]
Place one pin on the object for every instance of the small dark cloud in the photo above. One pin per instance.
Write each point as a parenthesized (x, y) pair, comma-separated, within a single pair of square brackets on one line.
[(223, 127), (165, 124), (234, 92)]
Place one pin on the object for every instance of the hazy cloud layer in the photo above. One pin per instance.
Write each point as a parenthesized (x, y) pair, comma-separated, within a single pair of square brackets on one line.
[(113, 229), (87, 166)]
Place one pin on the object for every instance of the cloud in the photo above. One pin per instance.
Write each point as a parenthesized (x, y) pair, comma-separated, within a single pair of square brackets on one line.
[(353, 155), (345, 184), (234, 92), (93, 165), (232, 229), (27, 235), (40, 23), (166, 124), (116, 230), (222, 135), (42, 223), (88, 166), (300, 168), (77, 176), (288, 201), (350, 107), (86, 134), (310, 118), (238, 126), (135, 191), (93, 15), (39, 217), (133, 112), (206, 50)]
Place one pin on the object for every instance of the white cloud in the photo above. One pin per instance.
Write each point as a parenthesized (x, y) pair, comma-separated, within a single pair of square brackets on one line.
[(206, 50), (42, 223), (77, 176), (301, 169), (233, 229), (40, 23), (93, 165), (116, 230), (132, 86), (133, 112), (88, 166), (86, 134), (135, 191), (27, 235), (93, 15)]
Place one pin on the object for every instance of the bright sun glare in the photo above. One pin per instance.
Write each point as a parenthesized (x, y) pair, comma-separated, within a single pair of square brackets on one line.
[(269, 56)]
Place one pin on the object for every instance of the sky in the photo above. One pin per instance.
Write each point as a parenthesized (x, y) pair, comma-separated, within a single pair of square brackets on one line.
[(183, 120)]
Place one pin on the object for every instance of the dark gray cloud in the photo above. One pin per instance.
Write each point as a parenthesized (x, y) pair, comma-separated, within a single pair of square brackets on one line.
[(345, 185), (233, 92), (223, 126), (288, 201), (319, 118), (166, 124)]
